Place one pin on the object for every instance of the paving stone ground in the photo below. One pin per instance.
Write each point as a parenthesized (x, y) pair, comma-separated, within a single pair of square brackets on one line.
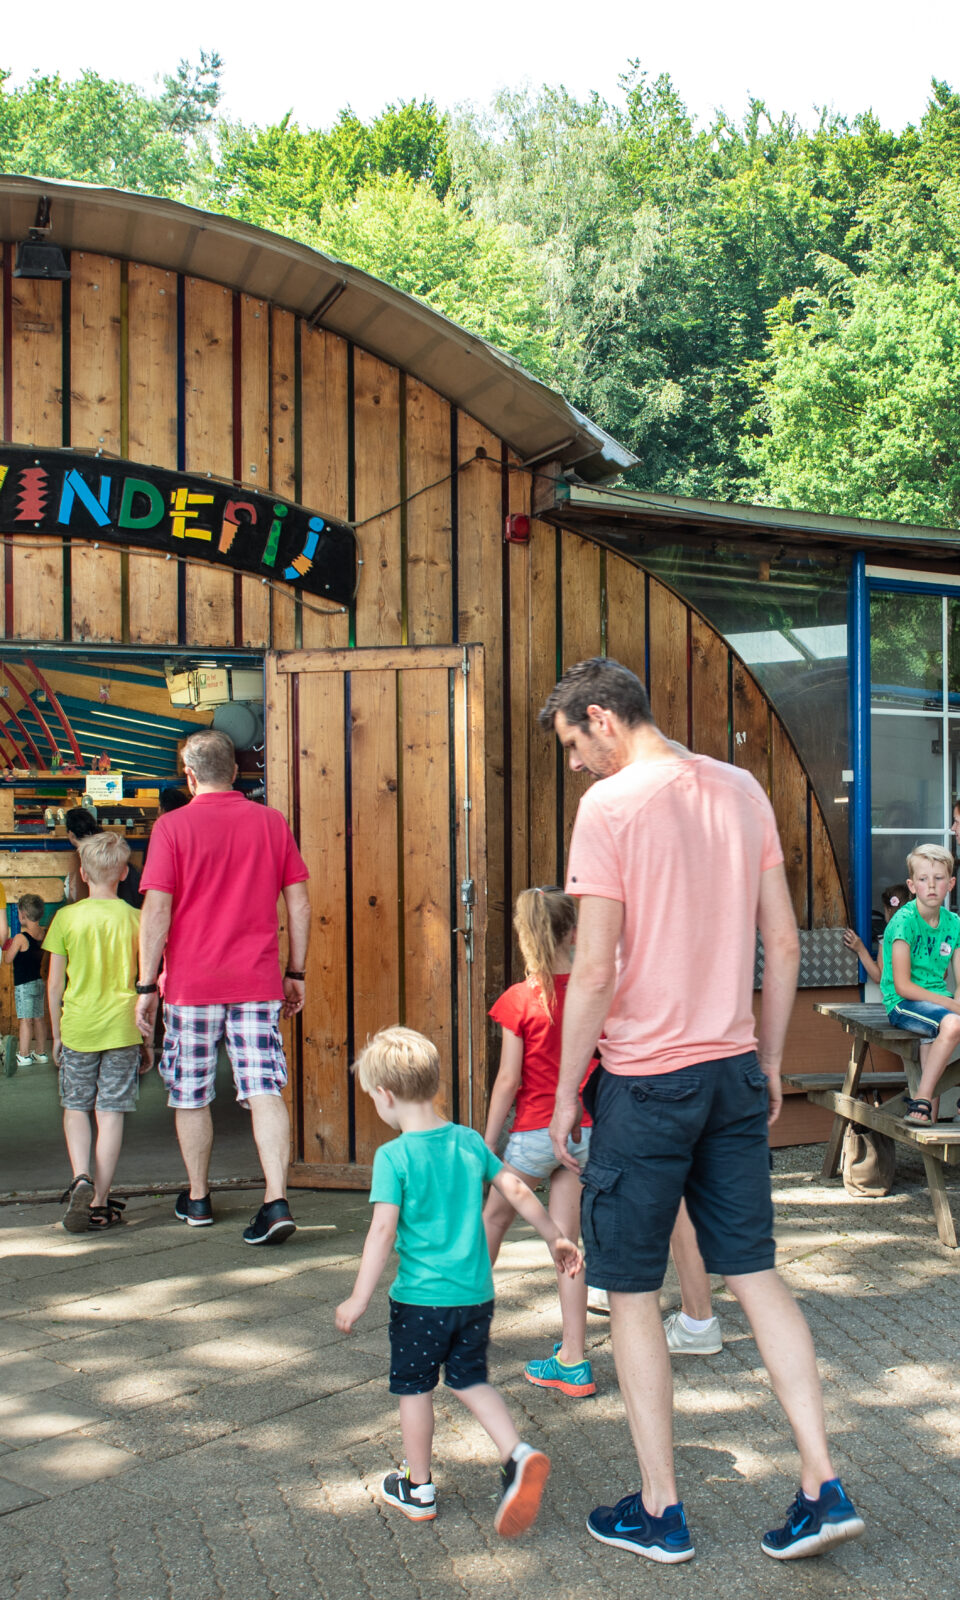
[(179, 1419)]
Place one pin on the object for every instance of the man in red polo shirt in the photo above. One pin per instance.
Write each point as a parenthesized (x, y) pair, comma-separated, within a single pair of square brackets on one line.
[(214, 872)]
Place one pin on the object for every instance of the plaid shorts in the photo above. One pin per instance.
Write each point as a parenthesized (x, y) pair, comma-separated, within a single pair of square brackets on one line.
[(28, 998), (188, 1065), (107, 1079)]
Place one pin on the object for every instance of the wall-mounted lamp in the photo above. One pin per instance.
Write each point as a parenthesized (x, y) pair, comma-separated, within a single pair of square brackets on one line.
[(36, 257)]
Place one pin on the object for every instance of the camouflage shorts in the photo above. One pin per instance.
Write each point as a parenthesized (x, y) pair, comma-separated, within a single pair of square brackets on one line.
[(107, 1079)]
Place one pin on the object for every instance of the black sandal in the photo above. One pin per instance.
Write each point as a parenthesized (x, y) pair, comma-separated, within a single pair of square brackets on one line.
[(918, 1114), (109, 1215)]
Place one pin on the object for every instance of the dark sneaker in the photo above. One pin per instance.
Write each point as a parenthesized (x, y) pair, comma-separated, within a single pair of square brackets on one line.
[(630, 1526), (418, 1501), (814, 1525), (76, 1218), (198, 1213), (271, 1225), (522, 1479)]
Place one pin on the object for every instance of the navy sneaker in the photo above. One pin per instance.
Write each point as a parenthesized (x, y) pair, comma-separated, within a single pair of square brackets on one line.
[(630, 1526), (271, 1225), (196, 1213), (814, 1525)]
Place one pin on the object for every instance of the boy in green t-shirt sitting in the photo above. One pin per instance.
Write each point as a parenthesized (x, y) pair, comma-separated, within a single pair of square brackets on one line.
[(96, 1043), (921, 943), (427, 1195)]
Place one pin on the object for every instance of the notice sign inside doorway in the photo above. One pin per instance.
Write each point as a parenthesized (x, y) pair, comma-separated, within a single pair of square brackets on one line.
[(63, 492)]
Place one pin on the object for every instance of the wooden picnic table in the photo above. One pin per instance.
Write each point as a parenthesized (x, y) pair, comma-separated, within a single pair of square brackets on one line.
[(939, 1144)]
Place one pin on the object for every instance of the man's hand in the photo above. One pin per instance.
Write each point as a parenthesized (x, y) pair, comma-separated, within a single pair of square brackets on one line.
[(146, 1015), (294, 990), (56, 1050), (349, 1312), (565, 1124), (567, 1257), (775, 1093), (147, 1054)]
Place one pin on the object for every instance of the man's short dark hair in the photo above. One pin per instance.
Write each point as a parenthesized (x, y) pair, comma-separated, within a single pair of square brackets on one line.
[(600, 681), (211, 757), (80, 823), (172, 800)]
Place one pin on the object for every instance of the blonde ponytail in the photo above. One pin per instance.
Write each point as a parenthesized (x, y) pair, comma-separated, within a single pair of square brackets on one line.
[(543, 918)]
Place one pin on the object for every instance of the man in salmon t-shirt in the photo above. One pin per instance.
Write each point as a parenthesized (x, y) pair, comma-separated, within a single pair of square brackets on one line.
[(214, 872), (676, 861)]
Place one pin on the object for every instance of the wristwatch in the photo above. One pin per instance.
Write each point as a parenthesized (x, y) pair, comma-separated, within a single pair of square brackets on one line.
[(298, 975), (146, 988)]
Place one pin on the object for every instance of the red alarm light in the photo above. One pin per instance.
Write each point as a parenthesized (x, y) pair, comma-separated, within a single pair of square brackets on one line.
[(516, 528)]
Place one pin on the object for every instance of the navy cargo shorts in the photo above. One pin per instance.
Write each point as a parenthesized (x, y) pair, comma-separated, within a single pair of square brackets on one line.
[(699, 1134)]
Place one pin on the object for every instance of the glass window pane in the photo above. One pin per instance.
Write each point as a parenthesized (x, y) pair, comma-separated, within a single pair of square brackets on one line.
[(889, 867), (953, 646), (906, 771), (906, 649)]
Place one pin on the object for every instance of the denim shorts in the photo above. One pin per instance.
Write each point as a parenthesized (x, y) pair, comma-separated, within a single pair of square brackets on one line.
[(188, 1065), (919, 1016), (422, 1338), (533, 1154), (28, 999), (698, 1134), (107, 1079)]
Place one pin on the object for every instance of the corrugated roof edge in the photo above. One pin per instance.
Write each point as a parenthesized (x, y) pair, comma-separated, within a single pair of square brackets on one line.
[(534, 420)]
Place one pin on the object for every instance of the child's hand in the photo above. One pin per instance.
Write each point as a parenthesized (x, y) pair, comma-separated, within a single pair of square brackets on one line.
[(853, 941), (56, 1050), (567, 1256), (348, 1313)]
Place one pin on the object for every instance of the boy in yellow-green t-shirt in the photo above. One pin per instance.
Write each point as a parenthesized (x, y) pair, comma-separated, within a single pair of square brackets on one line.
[(96, 1044)]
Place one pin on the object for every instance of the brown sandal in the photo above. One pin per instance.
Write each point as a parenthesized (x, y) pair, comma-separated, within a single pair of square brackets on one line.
[(109, 1215)]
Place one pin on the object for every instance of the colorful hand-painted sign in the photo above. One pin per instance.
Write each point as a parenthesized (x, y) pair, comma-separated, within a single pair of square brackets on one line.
[(100, 497)]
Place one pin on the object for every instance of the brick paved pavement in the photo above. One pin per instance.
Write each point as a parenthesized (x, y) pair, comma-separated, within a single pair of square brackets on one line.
[(180, 1421)]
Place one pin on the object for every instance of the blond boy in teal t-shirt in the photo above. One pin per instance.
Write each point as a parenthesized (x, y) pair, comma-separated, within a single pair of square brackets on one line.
[(920, 946), (427, 1195)]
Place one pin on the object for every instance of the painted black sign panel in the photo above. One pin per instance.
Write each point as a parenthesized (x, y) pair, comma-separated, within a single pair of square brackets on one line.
[(123, 502)]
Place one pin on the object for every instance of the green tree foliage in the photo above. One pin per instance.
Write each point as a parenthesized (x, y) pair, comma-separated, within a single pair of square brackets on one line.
[(282, 171), (97, 130), (860, 388)]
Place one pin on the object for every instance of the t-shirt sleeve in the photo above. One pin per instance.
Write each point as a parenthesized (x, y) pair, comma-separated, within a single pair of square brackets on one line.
[(492, 1164), (3, 899), (294, 867), (159, 869), (54, 939), (509, 1009), (385, 1183), (592, 863)]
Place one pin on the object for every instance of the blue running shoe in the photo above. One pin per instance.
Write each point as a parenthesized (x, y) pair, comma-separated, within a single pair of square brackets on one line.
[(630, 1526), (552, 1374), (814, 1525)]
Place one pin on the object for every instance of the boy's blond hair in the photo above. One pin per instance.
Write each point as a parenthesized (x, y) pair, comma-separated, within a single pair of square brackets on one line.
[(103, 857), (401, 1060), (930, 852)]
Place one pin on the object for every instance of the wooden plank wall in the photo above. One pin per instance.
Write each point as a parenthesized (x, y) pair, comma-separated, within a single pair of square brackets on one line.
[(700, 693), (176, 371)]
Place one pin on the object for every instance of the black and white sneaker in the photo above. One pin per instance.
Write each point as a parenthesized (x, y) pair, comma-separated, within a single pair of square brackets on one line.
[(197, 1213), (522, 1478), (271, 1225), (418, 1501)]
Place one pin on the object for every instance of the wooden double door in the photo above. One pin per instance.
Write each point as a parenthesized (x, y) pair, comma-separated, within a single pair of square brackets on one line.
[(376, 759)]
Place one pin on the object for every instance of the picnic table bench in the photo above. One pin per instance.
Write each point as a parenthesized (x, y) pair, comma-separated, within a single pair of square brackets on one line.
[(939, 1144)]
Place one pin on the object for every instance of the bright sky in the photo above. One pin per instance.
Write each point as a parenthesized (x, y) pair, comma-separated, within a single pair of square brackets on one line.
[(315, 58)]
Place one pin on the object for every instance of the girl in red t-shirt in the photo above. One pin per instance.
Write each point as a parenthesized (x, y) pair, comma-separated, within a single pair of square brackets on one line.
[(531, 1015)]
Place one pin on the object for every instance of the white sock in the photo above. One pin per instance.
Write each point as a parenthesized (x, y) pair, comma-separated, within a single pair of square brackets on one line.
[(693, 1325)]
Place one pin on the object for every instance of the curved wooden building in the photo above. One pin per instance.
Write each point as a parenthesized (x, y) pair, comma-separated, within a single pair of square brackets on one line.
[(198, 357)]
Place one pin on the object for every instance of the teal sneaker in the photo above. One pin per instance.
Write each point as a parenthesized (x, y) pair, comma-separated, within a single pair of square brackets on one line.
[(552, 1374)]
